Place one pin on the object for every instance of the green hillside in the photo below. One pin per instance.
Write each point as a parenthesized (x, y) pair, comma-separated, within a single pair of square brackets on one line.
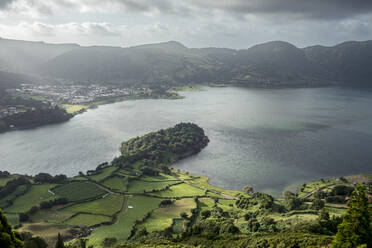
[(138, 200)]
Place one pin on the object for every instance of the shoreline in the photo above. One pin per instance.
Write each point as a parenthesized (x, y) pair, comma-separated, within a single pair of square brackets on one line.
[(76, 109), (92, 105)]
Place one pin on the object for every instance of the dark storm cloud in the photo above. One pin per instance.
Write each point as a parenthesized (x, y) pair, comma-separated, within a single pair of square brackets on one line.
[(161, 6), (5, 3), (312, 9)]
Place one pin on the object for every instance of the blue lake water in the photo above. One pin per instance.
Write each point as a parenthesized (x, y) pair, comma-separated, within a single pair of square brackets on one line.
[(272, 139)]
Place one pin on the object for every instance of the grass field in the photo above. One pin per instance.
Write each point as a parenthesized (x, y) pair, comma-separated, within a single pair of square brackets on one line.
[(178, 226), (106, 206), (160, 178), (48, 231), (78, 178), (4, 180), (72, 109), (36, 195), (311, 186), (162, 218), (87, 220), (13, 219), (180, 190), (137, 186), (121, 230), (20, 190), (212, 194), (104, 174), (185, 176), (78, 191), (225, 204), (333, 210), (203, 182), (206, 203), (52, 215), (116, 183)]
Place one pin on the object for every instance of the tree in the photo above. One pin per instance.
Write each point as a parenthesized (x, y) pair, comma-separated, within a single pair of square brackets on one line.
[(184, 215), (317, 204), (288, 193), (8, 238), (59, 243), (23, 217), (355, 230), (43, 178), (206, 214), (292, 203), (248, 189), (35, 242)]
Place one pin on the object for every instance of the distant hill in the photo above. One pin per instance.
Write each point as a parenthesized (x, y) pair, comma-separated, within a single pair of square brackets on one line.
[(27, 56), (10, 80), (275, 63), (349, 62)]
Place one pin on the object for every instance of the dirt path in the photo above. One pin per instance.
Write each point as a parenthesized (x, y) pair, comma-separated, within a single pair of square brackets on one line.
[(104, 188), (316, 190), (124, 209)]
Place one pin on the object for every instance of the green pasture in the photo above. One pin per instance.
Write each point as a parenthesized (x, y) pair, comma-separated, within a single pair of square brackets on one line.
[(106, 172), (109, 205), (162, 218), (159, 178), (87, 220), (4, 180), (116, 183), (20, 190), (52, 215), (36, 195), (141, 205), (180, 190), (137, 186), (78, 191)]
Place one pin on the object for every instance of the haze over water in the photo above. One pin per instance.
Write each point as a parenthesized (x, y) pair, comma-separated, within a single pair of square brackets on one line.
[(271, 139)]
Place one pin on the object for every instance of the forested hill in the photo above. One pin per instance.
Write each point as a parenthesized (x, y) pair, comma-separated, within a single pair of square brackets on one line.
[(33, 118), (274, 63), (167, 64), (163, 147)]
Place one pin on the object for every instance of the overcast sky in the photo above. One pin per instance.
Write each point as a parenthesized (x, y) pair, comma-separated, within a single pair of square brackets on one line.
[(195, 23)]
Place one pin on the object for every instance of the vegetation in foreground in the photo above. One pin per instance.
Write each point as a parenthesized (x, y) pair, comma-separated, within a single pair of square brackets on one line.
[(138, 200)]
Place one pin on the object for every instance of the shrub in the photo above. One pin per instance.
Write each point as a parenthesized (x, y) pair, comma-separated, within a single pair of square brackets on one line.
[(292, 203), (23, 217), (205, 214), (335, 199), (342, 190), (317, 204), (288, 193), (166, 202), (107, 242), (248, 189)]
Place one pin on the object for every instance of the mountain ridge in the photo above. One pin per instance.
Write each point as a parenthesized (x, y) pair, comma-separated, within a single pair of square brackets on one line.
[(270, 64)]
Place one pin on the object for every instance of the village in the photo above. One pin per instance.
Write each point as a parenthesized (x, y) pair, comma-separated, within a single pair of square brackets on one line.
[(54, 95)]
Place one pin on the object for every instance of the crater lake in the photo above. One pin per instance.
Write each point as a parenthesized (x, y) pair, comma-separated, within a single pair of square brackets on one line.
[(271, 139)]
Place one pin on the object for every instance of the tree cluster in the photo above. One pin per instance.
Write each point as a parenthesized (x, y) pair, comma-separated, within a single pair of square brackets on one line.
[(163, 147), (47, 178)]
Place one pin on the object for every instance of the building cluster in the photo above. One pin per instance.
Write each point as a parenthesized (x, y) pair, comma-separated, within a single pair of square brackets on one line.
[(78, 94), (7, 111), (52, 95)]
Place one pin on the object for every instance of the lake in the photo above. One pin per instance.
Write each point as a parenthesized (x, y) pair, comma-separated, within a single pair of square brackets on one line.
[(271, 139)]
